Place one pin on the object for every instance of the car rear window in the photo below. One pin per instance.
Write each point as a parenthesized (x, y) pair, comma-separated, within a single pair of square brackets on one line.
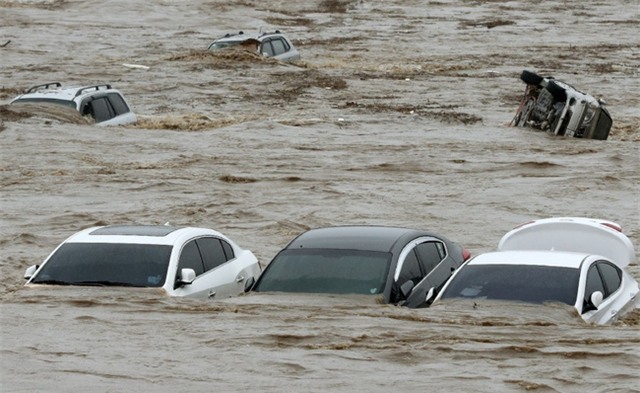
[(526, 283), (326, 271), (140, 265)]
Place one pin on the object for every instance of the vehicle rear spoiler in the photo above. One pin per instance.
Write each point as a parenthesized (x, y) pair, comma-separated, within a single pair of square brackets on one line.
[(574, 234)]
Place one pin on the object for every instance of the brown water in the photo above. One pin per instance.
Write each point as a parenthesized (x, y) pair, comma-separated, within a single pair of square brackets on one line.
[(397, 115)]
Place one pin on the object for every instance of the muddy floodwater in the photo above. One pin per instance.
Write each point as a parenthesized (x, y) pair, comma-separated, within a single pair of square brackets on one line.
[(396, 114)]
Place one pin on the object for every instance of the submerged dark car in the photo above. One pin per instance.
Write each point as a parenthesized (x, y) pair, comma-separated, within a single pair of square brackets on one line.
[(399, 264)]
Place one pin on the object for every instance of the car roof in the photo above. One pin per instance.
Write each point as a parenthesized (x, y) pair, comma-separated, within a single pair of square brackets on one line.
[(135, 230), (576, 234), (137, 234), (55, 90), (241, 36), (539, 258), (355, 237)]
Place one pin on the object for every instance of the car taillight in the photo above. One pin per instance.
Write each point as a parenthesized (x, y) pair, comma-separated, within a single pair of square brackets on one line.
[(466, 254), (612, 226)]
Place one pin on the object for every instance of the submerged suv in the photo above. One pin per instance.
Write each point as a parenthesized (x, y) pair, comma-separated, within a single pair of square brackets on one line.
[(102, 103), (274, 44), (560, 109)]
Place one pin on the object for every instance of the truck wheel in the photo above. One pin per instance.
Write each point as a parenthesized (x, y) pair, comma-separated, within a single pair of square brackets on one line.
[(531, 78), (558, 92)]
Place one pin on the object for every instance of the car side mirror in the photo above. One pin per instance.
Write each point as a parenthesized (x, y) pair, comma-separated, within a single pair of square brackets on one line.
[(30, 271), (596, 299), (406, 288), (187, 276), (249, 284)]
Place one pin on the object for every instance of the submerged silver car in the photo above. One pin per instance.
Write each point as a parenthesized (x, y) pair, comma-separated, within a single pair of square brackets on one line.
[(269, 44), (101, 103), (560, 109)]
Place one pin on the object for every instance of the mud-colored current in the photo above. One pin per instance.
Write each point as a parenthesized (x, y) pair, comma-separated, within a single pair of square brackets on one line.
[(397, 114)]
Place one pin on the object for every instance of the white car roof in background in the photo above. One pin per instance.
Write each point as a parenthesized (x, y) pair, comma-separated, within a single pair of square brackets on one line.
[(539, 258), (573, 234)]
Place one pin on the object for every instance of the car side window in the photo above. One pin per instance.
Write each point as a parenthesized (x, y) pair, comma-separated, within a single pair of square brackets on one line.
[(594, 283), (266, 48), (117, 102), (99, 109), (278, 46), (410, 269), (611, 275), (228, 250), (190, 258), (430, 255), (212, 252)]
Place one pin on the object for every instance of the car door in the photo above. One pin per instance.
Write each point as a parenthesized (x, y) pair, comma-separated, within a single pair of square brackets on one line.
[(122, 112), (219, 274), (266, 49), (421, 262), (280, 48), (99, 108), (223, 272), (433, 258), (604, 277)]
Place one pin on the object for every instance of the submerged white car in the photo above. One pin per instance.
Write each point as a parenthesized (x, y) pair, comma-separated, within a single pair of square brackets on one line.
[(558, 108), (102, 103), (269, 44), (577, 261), (183, 261)]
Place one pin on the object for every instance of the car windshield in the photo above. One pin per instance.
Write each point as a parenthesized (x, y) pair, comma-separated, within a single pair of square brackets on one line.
[(48, 101), (526, 283), (139, 265), (326, 271)]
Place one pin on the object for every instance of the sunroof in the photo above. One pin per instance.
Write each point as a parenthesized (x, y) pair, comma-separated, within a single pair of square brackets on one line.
[(135, 230)]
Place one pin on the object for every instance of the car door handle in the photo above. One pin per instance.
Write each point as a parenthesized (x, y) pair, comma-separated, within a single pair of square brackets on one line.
[(240, 279), (212, 294)]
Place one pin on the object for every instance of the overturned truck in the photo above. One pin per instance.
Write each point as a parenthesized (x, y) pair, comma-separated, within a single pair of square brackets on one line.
[(558, 108)]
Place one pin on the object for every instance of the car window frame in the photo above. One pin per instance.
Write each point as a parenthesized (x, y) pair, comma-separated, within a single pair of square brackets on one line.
[(410, 246), (181, 253), (200, 242), (265, 43), (592, 271), (282, 42), (121, 103), (89, 103), (599, 266), (440, 248)]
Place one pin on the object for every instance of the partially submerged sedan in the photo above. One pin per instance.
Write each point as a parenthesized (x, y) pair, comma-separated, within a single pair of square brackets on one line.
[(399, 264), (577, 261), (183, 261)]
